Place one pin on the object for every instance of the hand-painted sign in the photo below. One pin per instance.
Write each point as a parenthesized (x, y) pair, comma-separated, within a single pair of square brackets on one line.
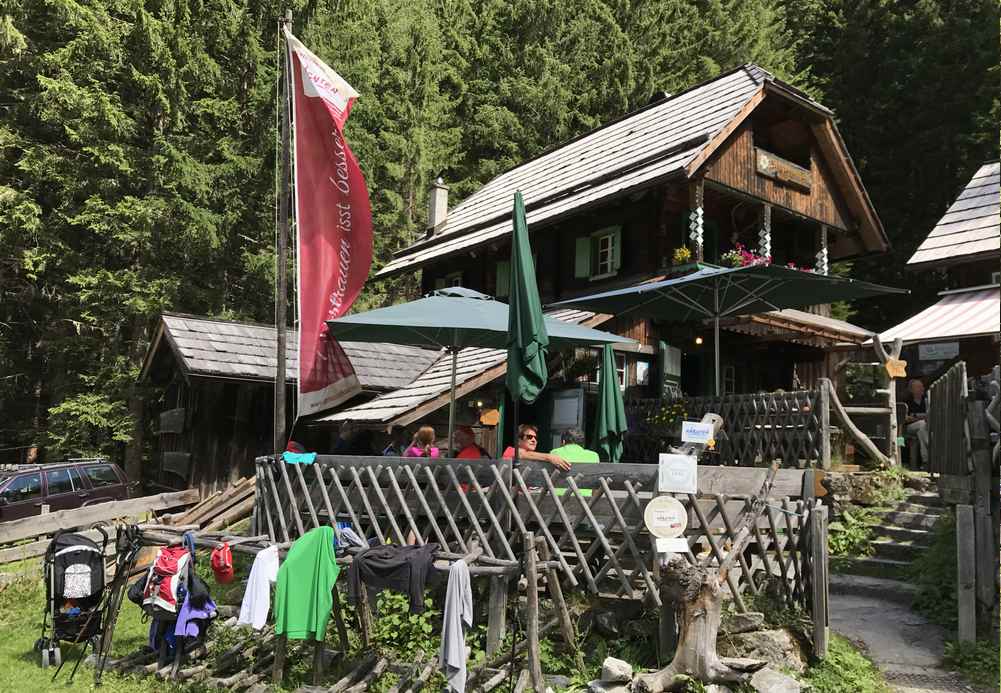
[(678, 474), (665, 517), (696, 432)]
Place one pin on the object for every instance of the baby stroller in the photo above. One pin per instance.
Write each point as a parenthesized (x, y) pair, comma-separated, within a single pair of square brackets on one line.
[(74, 587)]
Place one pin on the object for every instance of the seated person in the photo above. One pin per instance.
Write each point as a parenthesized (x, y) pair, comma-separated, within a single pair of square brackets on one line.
[(916, 421), (397, 442), (528, 440), (466, 446), (423, 444), (573, 450)]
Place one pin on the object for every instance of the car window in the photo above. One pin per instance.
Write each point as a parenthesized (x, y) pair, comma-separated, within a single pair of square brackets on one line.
[(77, 480), (58, 481), (103, 475), (24, 488)]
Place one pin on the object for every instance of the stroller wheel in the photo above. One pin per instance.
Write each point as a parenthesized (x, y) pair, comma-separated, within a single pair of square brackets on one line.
[(41, 644), (45, 658), (56, 656)]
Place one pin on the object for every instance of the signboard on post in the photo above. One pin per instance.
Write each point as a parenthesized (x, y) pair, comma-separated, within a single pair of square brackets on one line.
[(665, 517), (678, 473), (696, 432)]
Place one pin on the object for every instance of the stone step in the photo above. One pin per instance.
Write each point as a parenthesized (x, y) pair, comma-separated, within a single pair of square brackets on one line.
[(917, 537), (895, 550), (907, 519), (907, 507), (928, 499), (880, 588), (872, 567)]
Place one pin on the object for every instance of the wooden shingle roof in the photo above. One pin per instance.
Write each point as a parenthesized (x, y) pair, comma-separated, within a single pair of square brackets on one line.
[(212, 348), (971, 228)]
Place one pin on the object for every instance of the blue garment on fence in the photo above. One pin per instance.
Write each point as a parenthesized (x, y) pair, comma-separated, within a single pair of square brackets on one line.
[(192, 621), (299, 457)]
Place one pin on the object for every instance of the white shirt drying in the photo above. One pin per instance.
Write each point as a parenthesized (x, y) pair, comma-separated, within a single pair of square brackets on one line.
[(457, 618), (257, 598)]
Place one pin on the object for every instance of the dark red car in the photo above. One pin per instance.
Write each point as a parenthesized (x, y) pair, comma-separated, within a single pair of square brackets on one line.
[(24, 489)]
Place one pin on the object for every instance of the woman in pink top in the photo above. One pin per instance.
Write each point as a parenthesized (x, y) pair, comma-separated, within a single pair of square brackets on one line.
[(421, 445)]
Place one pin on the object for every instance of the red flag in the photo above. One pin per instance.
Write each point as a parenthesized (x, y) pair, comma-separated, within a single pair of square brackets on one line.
[(334, 224)]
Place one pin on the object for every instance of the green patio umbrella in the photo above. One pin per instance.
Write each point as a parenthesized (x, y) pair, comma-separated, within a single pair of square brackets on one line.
[(453, 319), (610, 422), (527, 338), (711, 292)]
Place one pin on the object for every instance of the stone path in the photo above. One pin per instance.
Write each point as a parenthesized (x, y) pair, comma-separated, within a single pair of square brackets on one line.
[(905, 646)]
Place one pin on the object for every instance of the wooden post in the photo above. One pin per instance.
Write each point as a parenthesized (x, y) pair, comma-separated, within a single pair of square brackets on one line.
[(562, 612), (822, 265), (497, 613), (818, 546), (318, 659), (342, 631), (696, 221), (765, 233), (532, 599), (986, 547), (364, 617), (891, 394), (825, 423), (278, 668), (966, 573)]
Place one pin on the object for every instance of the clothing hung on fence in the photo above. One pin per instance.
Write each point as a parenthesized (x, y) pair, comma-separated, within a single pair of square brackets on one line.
[(457, 618), (192, 620), (402, 568), (303, 596), (257, 598)]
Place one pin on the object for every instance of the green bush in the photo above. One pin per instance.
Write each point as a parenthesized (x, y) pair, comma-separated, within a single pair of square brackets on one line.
[(845, 669), (977, 661), (852, 534), (934, 574)]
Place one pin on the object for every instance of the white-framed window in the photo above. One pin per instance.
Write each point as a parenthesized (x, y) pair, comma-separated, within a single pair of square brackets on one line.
[(621, 370), (599, 254)]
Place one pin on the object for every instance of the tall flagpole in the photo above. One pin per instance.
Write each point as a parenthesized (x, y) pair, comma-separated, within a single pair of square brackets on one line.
[(281, 282)]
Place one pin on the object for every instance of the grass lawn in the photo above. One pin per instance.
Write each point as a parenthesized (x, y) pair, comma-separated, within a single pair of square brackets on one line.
[(21, 606)]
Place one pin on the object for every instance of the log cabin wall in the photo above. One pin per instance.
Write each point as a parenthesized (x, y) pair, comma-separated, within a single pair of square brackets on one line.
[(737, 167)]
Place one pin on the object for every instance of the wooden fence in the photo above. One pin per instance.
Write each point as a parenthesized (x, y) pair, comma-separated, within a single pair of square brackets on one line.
[(598, 542), (962, 451), (787, 426), (948, 441)]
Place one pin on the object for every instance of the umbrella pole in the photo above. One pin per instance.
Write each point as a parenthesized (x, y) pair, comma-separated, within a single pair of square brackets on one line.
[(451, 406), (716, 331)]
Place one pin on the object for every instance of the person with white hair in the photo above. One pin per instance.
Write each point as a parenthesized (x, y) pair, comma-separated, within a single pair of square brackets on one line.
[(916, 421)]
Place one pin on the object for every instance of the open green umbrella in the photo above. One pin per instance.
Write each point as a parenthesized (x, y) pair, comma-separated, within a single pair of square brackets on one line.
[(527, 338), (712, 292), (610, 422), (453, 319)]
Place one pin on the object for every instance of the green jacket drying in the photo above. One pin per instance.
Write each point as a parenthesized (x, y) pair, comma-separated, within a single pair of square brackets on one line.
[(305, 580)]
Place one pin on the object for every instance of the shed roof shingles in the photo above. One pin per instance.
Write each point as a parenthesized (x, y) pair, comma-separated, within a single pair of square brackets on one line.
[(217, 348), (971, 226)]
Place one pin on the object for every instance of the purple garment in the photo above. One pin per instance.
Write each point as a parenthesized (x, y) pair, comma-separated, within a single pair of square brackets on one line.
[(191, 621)]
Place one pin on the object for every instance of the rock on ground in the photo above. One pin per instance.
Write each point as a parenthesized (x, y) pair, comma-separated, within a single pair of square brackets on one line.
[(770, 681), (598, 686), (741, 623), (777, 647), (616, 671)]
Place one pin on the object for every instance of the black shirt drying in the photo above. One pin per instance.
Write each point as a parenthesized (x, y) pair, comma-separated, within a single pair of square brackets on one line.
[(401, 568)]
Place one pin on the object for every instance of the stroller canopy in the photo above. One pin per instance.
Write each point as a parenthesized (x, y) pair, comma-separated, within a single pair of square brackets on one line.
[(78, 567)]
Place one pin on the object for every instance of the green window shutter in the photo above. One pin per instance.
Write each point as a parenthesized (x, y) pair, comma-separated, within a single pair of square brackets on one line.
[(503, 278), (617, 249), (582, 259)]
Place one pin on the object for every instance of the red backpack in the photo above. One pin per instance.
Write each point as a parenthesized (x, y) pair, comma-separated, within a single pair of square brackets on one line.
[(222, 564), (168, 572)]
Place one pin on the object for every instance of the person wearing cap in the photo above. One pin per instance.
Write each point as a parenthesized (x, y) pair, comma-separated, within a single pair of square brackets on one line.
[(466, 446)]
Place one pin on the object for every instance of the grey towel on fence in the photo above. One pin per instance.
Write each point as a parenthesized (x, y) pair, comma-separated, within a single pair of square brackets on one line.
[(458, 616)]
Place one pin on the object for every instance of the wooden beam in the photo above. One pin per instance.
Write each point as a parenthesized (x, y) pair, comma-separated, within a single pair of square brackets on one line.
[(966, 577), (713, 144), (100, 512)]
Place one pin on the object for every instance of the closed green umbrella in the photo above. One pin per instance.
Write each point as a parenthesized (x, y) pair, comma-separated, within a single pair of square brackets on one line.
[(527, 338), (610, 423)]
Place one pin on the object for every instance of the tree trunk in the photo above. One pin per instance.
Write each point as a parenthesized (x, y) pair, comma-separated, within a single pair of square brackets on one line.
[(697, 593)]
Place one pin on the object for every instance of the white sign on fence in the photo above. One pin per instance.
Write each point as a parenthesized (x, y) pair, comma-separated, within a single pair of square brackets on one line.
[(678, 473), (672, 545), (665, 517), (696, 432)]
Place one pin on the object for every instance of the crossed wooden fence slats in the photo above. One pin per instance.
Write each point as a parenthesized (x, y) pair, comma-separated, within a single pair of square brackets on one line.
[(767, 426), (598, 542)]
